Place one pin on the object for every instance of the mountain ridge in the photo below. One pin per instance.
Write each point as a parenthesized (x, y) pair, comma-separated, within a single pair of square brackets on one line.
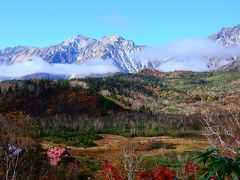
[(77, 50), (80, 48)]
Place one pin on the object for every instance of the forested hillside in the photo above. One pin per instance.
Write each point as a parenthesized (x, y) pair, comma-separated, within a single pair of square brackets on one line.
[(151, 116)]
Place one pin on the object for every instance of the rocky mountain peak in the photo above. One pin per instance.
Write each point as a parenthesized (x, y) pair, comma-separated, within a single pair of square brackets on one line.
[(79, 39), (112, 39), (228, 36)]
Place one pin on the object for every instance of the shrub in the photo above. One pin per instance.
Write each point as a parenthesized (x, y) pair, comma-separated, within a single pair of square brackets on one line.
[(159, 144), (57, 154), (217, 166)]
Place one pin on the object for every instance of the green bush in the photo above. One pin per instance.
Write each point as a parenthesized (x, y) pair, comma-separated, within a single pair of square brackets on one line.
[(159, 144), (218, 166)]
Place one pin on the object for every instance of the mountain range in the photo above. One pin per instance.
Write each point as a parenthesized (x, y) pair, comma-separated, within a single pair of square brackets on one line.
[(79, 49)]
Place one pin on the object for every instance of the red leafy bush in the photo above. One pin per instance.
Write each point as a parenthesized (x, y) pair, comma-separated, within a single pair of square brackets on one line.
[(191, 170), (161, 173), (143, 176), (109, 172)]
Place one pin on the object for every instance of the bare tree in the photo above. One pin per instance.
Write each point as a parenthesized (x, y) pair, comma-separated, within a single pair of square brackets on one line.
[(131, 159), (11, 157), (14, 143), (223, 132)]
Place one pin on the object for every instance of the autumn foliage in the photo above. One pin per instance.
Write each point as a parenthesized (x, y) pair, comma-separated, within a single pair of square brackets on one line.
[(161, 173), (109, 172), (44, 98), (191, 170)]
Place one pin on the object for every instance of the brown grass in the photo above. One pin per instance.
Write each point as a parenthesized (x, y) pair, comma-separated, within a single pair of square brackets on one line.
[(110, 146)]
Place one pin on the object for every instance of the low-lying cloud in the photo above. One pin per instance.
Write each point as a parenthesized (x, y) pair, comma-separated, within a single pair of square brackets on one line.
[(188, 54), (37, 65)]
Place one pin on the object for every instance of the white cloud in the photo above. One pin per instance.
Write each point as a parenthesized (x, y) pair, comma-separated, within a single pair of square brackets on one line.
[(37, 65), (188, 54)]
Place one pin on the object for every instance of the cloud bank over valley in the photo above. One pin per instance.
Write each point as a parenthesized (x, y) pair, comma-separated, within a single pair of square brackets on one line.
[(189, 54), (37, 65)]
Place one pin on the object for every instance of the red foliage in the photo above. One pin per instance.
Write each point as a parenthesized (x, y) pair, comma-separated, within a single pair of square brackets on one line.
[(143, 176), (161, 173), (109, 172), (191, 169)]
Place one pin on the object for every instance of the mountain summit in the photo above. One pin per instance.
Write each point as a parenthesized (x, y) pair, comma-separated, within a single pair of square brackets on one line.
[(228, 37), (79, 49)]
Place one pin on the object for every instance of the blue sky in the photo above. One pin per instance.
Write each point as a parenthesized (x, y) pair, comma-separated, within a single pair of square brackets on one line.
[(149, 22)]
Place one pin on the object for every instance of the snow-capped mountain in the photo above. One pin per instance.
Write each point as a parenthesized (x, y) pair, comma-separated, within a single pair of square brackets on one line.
[(220, 51), (228, 37), (78, 50), (81, 49)]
